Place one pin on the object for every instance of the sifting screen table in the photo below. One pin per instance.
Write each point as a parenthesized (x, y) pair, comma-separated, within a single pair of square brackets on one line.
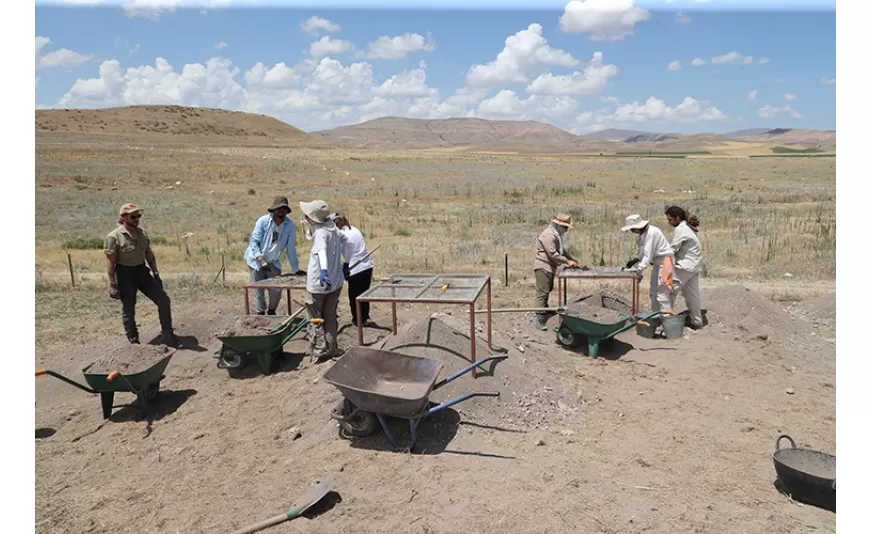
[(599, 273), (279, 282), (433, 289)]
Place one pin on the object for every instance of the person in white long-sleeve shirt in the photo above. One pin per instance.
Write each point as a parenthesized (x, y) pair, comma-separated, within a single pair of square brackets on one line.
[(653, 250), (359, 278), (688, 262), (325, 279)]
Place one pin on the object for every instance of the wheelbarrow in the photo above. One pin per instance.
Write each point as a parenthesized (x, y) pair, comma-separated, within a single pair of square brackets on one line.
[(237, 351), (808, 476), (144, 384), (379, 383), (573, 329)]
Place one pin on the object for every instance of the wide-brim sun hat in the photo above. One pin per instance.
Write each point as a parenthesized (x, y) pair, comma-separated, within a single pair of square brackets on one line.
[(280, 202), (316, 210), (563, 219), (634, 222)]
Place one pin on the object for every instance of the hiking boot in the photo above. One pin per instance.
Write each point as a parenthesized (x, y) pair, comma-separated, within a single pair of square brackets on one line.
[(541, 321), (271, 312), (169, 339), (133, 340)]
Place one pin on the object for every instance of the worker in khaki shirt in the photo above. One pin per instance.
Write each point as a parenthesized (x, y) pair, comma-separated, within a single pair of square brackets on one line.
[(653, 250), (549, 255), (127, 251), (688, 262)]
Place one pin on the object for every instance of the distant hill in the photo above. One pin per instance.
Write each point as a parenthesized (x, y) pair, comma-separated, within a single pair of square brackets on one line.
[(748, 132), (614, 134), (173, 121), (395, 132), (822, 139)]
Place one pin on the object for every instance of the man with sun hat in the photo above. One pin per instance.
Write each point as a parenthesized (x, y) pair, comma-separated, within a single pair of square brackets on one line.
[(549, 255)]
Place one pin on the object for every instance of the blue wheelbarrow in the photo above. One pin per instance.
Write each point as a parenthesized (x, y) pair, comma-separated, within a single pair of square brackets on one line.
[(379, 383)]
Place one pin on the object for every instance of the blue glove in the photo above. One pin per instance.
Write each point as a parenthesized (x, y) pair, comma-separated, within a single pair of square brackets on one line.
[(639, 275), (324, 279)]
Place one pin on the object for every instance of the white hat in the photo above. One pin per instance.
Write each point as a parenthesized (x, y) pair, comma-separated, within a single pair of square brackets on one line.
[(316, 210), (634, 222)]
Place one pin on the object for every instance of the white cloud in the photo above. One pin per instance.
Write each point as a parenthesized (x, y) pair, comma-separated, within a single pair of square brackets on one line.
[(698, 62), (523, 54), (730, 57), (653, 110), (752, 95), (397, 47), (508, 105), (591, 80), (316, 24), (151, 9), (603, 20), (747, 60), (279, 77), (674, 65), (221, 45), (763, 60), (407, 84), (333, 83), (62, 57), (828, 81), (789, 96), (683, 19), (327, 46), (769, 112), (610, 99)]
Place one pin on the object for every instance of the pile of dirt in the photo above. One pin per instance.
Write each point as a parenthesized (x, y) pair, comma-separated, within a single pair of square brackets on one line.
[(253, 325), (751, 314), (596, 314), (130, 360), (822, 308), (606, 298), (525, 399)]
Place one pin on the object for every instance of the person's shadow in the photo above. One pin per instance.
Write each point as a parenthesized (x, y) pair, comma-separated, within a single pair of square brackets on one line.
[(184, 342)]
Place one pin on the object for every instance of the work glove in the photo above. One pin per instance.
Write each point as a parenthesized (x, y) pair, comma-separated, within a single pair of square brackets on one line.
[(266, 267), (114, 293), (639, 275), (324, 279), (632, 262), (345, 268), (158, 280)]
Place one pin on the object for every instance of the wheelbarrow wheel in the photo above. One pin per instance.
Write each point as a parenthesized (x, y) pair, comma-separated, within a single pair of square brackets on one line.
[(362, 423), (568, 339), (232, 359)]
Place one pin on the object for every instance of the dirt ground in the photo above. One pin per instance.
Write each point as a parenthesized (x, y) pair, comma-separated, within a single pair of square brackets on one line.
[(670, 436)]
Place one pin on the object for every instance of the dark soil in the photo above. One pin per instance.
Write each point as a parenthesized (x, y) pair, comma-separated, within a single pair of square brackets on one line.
[(130, 360), (594, 313), (248, 326)]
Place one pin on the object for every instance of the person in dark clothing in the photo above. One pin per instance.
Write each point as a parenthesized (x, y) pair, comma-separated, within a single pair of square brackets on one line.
[(128, 249), (359, 279)]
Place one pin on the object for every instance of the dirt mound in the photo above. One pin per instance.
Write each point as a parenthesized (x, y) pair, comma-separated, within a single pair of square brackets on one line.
[(132, 358), (172, 120), (525, 399), (248, 326), (823, 308), (751, 314), (593, 313)]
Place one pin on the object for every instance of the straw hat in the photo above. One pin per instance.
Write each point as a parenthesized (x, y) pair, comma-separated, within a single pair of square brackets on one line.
[(563, 219), (634, 222), (316, 210)]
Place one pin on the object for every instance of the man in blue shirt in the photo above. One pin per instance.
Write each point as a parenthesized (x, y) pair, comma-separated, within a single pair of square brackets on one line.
[(273, 234)]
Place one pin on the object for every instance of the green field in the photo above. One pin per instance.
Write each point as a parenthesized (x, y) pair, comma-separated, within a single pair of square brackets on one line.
[(787, 150), (798, 155), (650, 153)]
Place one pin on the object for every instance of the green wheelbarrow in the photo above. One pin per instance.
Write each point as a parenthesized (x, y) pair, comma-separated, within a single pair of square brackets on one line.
[(237, 351), (573, 329), (144, 384)]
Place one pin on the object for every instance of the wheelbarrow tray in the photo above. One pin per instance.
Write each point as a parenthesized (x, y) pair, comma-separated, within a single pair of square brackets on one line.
[(385, 382), (585, 327), (261, 343), (132, 383)]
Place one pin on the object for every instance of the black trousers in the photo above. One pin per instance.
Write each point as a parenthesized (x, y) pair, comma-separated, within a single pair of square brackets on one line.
[(357, 285), (132, 280)]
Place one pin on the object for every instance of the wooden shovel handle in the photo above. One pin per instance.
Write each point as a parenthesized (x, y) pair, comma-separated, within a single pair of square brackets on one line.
[(262, 524), (316, 321), (643, 323)]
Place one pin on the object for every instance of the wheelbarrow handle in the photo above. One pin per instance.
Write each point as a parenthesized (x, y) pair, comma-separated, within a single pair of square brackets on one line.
[(113, 375), (457, 400), (467, 369), (632, 324), (65, 379)]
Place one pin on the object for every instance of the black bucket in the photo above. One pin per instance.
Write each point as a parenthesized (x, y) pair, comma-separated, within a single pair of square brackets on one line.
[(647, 331)]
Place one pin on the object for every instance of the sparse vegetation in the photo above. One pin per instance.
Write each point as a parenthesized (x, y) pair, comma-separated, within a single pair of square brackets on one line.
[(787, 150)]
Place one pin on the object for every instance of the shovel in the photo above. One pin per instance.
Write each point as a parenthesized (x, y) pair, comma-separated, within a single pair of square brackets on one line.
[(302, 503)]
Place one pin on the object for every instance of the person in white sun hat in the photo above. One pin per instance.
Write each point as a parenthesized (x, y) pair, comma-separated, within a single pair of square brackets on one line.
[(653, 250), (325, 278), (550, 253)]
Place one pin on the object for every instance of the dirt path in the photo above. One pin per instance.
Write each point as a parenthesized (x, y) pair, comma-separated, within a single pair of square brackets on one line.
[(654, 436)]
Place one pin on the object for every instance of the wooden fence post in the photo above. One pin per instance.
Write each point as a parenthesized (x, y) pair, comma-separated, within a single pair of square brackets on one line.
[(505, 269), (72, 277)]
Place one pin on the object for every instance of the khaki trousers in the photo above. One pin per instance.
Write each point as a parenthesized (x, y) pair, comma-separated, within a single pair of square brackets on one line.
[(543, 287), (324, 337), (689, 284)]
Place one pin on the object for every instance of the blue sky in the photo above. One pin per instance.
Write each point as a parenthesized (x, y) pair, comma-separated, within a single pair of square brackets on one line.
[(567, 64)]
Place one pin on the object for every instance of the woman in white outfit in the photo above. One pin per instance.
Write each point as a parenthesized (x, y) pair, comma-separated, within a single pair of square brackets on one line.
[(688, 262), (653, 250), (325, 278)]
